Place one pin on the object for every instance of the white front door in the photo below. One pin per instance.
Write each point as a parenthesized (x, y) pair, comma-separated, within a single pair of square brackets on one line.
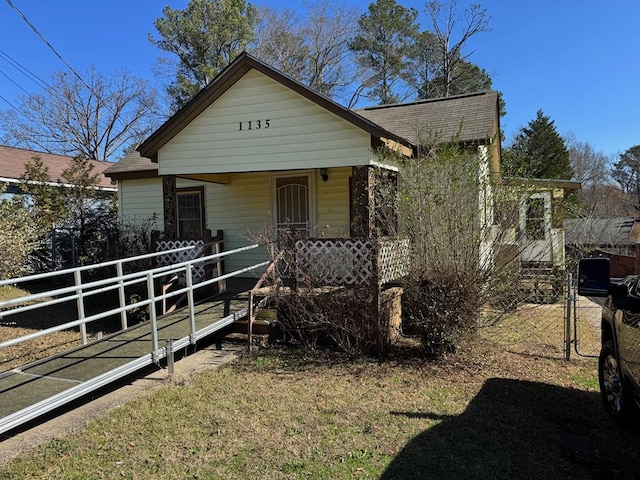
[(293, 204)]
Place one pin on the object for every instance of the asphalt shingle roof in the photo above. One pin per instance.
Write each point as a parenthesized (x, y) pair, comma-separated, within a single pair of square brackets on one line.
[(598, 231), (469, 117), (132, 162), (13, 161)]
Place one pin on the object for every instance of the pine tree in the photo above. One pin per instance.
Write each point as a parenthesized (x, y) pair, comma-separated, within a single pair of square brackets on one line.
[(205, 37), (538, 151), (383, 44)]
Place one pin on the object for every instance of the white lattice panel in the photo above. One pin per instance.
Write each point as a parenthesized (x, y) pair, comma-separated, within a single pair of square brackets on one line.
[(393, 260), (182, 256), (334, 262)]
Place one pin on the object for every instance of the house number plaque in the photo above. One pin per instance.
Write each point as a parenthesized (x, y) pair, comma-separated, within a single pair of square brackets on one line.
[(254, 124)]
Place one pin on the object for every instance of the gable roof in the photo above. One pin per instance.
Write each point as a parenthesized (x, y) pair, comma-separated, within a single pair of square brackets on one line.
[(467, 118), (13, 161), (226, 79)]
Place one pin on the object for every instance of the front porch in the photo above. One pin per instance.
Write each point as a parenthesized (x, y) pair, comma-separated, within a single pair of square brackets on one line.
[(358, 275)]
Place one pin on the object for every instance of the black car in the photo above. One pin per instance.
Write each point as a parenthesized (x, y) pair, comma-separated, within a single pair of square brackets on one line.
[(619, 362)]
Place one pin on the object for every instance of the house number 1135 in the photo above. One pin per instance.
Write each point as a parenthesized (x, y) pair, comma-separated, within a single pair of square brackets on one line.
[(254, 124)]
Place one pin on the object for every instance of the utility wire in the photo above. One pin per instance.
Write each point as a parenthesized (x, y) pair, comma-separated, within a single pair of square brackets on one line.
[(77, 75), (46, 42), (24, 70), (14, 82), (10, 104)]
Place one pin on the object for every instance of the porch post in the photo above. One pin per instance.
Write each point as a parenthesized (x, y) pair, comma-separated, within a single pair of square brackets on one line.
[(362, 202), (169, 206)]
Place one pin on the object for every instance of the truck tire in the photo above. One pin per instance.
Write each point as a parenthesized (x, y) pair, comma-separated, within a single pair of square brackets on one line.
[(615, 398)]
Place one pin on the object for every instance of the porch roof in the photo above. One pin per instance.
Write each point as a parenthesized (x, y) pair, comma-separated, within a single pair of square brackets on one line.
[(567, 186), (132, 166)]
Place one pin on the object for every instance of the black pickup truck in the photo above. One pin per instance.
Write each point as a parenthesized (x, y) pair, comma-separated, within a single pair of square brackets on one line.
[(619, 362)]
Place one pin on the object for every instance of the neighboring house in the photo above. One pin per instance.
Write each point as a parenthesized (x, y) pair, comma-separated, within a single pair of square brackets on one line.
[(614, 238), (257, 148), (589, 235), (13, 161)]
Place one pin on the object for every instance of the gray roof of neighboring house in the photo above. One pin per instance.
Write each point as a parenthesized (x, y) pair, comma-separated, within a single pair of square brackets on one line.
[(469, 117), (13, 161), (604, 232)]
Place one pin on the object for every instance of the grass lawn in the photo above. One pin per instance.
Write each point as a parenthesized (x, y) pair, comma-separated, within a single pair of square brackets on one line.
[(506, 405)]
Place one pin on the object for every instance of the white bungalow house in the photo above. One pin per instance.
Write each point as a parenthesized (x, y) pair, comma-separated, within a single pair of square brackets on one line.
[(257, 148)]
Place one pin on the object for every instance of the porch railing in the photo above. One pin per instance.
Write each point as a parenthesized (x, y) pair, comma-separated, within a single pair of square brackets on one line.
[(345, 262)]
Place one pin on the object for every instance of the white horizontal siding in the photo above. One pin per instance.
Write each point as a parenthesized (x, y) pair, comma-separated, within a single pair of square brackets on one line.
[(301, 134), (242, 210), (140, 200), (333, 204)]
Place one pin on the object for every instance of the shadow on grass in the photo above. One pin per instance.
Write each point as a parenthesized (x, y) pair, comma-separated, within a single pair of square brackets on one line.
[(518, 429)]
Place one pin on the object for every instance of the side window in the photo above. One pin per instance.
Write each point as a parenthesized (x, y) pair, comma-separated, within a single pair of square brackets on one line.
[(190, 212), (535, 220)]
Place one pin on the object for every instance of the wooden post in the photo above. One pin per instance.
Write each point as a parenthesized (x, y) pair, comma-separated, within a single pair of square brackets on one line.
[(376, 286), (219, 248), (362, 202), (169, 205)]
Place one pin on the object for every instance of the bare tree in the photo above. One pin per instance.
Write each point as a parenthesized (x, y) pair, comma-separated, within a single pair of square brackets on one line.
[(331, 62), (91, 117), (592, 168), (313, 50), (445, 20), (279, 43)]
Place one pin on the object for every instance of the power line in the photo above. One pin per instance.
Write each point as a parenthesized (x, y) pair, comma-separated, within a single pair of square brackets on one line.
[(46, 42), (10, 104), (75, 73), (14, 82), (24, 70)]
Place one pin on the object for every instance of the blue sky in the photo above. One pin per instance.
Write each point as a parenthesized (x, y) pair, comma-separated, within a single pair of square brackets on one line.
[(577, 60)]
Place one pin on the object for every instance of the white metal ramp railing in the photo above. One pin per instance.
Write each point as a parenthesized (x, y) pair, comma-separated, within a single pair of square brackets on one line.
[(80, 291)]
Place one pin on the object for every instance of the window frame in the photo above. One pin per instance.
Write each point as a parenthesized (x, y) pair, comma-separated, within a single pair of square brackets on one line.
[(183, 192)]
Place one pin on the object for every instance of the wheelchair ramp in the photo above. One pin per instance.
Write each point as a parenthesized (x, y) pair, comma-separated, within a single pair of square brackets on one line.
[(38, 388)]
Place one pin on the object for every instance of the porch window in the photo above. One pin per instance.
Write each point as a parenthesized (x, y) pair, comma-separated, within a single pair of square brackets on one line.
[(190, 212), (535, 221)]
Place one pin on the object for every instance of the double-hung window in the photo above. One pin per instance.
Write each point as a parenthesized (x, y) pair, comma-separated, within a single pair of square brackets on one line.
[(190, 212)]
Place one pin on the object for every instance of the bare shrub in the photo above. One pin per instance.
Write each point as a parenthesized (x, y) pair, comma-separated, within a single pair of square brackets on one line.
[(312, 312), (464, 254)]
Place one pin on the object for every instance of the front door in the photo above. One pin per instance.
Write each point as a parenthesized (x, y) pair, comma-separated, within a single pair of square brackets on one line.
[(292, 204), (535, 225)]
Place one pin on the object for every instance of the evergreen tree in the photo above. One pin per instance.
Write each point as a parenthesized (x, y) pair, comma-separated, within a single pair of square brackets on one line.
[(206, 37), (383, 44), (538, 151)]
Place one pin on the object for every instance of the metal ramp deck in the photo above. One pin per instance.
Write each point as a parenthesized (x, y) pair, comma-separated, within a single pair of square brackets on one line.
[(35, 389)]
